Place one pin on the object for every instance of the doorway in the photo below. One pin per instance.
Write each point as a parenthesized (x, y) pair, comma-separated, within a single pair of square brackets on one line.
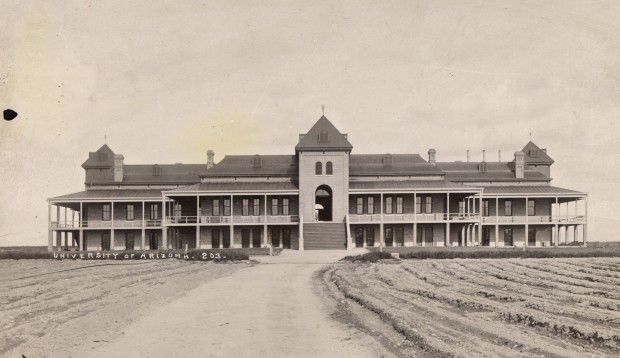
[(129, 241), (323, 203), (105, 241)]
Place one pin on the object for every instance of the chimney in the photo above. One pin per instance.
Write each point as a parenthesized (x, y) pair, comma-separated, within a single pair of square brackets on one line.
[(467, 155), (118, 168), (499, 156), (519, 165), (431, 156), (484, 152), (210, 155)]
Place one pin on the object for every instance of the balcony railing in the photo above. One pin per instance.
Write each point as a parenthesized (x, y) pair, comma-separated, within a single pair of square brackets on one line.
[(282, 219), (391, 218), (128, 223), (252, 219), (464, 216), (204, 219), (571, 219)]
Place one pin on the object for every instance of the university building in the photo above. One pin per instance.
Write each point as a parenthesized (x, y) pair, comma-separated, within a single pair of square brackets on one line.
[(321, 196)]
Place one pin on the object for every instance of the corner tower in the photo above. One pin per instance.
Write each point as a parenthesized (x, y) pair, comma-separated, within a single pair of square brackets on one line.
[(323, 156)]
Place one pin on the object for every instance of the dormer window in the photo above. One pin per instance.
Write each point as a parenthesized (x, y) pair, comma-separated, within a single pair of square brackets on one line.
[(482, 167), (257, 162), (533, 152), (156, 170), (323, 137), (387, 160)]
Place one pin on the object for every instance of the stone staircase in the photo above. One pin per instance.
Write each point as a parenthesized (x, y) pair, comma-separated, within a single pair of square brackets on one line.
[(325, 236)]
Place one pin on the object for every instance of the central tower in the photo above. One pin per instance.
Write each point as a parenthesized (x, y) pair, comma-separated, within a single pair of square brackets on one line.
[(323, 158)]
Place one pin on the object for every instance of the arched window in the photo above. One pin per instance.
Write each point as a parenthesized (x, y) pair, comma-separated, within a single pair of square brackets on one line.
[(329, 168), (318, 168)]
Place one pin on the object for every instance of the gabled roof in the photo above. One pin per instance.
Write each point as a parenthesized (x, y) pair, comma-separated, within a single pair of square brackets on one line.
[(331, 138), (390, 164), (102, 158), (534, 155), (244, 165)]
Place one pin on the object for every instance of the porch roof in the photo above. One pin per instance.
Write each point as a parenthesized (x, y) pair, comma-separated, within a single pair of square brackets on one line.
[(410, 185), (524, 190), (96, 194), (238, 186)]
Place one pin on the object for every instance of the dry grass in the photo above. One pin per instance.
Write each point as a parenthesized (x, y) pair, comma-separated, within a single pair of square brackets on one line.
[(510, 307)]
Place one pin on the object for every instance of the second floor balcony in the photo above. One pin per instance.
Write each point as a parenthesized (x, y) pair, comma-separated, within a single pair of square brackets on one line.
[(241, 219), (106, 224)]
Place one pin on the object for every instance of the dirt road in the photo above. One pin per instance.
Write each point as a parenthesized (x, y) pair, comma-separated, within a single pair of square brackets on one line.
[(270, 310)]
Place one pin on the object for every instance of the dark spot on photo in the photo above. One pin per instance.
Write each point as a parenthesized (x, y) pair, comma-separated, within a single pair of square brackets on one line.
[(9, 114)]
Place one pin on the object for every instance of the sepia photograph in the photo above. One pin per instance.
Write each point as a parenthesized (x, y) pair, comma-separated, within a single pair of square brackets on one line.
[(232, 178)]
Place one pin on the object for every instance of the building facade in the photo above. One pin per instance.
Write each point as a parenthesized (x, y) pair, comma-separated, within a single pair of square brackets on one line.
[(323, 196)]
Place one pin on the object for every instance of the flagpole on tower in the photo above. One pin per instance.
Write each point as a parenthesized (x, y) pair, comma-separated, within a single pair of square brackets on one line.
[(323, 109)]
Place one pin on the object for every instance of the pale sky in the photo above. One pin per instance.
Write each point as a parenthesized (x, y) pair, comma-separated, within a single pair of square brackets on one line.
[(168, 80)]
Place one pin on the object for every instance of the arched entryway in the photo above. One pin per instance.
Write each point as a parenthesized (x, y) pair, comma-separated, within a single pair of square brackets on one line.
[(323, 203)]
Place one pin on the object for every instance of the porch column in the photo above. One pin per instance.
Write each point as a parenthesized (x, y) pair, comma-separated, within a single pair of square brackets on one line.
[(415, 220), (82, 236), (50, 233), (164, 224), (197, 221), (381, 238), (447, 219), (585, 221), (527, 226), (232, 227), (143, 231), (265, 241), (496, 221)]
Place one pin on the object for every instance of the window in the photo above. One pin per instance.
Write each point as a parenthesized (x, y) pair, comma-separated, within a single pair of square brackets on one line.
[(274, 206), (531, 208), (429, 205), (106, 213), (285, 206), (216, 207), (154, 212), (318, 168), (418, 205), (256, 207), (388, 205), (371, 205), (399, 205), (508, 208), (360, 205), (329, 168), (462, 207), (323, 137), (227, 207), (129, 214), (485, 208), (245, 211)]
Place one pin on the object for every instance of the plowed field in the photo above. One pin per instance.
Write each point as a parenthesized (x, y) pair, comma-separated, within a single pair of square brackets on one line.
[(516, 307)]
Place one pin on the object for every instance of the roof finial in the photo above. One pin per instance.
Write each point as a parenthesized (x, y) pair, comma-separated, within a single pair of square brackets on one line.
[(105, 139), (323, 109), (530, 136)]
